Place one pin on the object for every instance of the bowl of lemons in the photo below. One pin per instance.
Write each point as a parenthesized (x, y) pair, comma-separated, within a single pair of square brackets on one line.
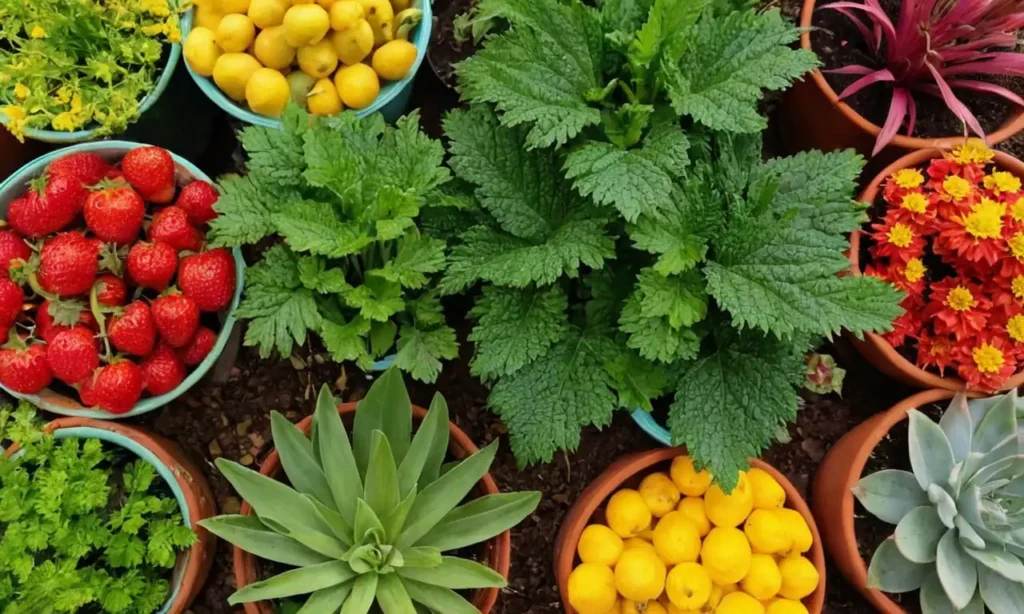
[(251, 57)]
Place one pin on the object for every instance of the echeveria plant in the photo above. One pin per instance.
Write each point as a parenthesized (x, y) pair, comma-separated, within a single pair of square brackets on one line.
[(960, 515), (368, 520)]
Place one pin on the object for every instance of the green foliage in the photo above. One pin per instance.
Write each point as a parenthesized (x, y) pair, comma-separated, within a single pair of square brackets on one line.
[(367, 520), (81, 528), (342, 194), (633, 242)]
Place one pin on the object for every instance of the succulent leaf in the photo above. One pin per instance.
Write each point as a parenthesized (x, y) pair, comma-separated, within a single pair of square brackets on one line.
[(956, 424), (385, 408), (340, 528), (296, 453), (969, 537), (997, 424), (426, 453), (933, 597), (367, 523), (480, 520), (891, 572), (361, 597), (336, 453), (392, 596), (295, 582), (944, 504), (999, 561), (249, 534), (456, 574), (394, 521), (381, 491), (957, 571), (931, 455), (439, 599), (890, 494), (1001, 596), (326, 600), (918, 533), (422, 556)]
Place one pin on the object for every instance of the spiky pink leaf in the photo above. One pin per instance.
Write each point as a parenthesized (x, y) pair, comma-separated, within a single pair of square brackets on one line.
[(911, 114), (869, 79), (1001, 63), (958, 108), (852, 69), (989, 88), (897, 111), (876, 14)]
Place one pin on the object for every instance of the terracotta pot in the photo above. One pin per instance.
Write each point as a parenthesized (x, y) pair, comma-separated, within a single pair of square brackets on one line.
[(627, 472), (194, 565), (497, 553), (876, 349), (833, 499), (814, 118)]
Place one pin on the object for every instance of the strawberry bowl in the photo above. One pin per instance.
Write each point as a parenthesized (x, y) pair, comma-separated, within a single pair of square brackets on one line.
[(214, 324)]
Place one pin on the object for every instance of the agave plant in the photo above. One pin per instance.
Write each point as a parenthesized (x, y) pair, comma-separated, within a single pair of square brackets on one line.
[(368, 520), (960, 515)]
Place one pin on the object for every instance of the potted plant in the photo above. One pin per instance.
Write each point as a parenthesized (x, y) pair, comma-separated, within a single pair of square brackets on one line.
[(368, 520), (108, 515), (945, 257), (931, 66), (956, 514), (760, 541)]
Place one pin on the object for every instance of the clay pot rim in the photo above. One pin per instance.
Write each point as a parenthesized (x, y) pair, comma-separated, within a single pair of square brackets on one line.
[(1012, 125), (922, 378), (632, 465), (459, 445)]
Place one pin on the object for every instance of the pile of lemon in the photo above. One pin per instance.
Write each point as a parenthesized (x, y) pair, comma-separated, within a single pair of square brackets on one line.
[(679, 545), (325, 55)]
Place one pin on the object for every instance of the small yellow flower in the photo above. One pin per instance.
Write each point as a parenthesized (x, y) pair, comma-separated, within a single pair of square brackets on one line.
[(957, 187), (38, 32), (915, 270), (1002, 182), (1015, 327), (157, 8), (21, 91), (65, 122), (173, 30), (908, 178), (900, 235), (988, 358), (985, 220), (76, 104), (1016, 243), (1017, 210), (972, 151), (153, 30), (14, 113), (960, 299), (1017, 287), (915, 202)]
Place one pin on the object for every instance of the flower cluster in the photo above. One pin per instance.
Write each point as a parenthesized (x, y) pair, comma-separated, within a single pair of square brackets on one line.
[(952, 239)]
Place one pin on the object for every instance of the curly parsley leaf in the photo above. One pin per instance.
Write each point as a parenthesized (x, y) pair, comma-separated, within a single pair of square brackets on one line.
[(420, 352)]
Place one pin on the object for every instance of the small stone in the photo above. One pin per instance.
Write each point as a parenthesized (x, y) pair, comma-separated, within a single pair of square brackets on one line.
[(215, 449), (242, 428), (230, 505), (247, 459)]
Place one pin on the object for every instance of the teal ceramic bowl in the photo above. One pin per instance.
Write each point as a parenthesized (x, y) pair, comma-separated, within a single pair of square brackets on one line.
[(185, 172), (649, 425), (392, 102)]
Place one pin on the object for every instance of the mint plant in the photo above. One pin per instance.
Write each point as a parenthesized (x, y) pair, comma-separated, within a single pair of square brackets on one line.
[(342, 194), (632, 242)]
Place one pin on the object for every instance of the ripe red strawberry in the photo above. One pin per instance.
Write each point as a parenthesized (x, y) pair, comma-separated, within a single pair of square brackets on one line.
[(87, 168), (152, 265), (150, 170), (114, 174), (11, 299), (48, 326), (162, 371), (72, 355), (24, 368), (114, 213), (116, 387), (197, 199), (12, 247), (111, 290), (171, 226), (33, 217), (176, 317), (208, 279), (134, 330), (68, 264), (62, 194), (86, 389), (198, 348)]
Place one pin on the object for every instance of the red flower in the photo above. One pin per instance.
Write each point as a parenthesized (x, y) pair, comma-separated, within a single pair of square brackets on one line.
[(908, 277), (908, 324), (897, 240), (986, 362), (958, 307), (934, 352), (976, 236)]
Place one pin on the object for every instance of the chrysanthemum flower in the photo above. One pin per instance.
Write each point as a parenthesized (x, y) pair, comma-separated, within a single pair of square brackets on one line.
[(908, 278), (899, 240), (976, 236), (957, 307), (972, 151), (1001, 182), (986, 362), (909, 323), (934, 351)]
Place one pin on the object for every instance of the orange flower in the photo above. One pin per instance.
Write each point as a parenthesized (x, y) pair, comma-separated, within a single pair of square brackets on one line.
[(976, 236), (972, 151), (896, 239), (934, 351), (1001, 182), (957, 307), (986, 363)]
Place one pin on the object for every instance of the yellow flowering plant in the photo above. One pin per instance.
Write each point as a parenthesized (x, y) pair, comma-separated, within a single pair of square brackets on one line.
[(67, 65)]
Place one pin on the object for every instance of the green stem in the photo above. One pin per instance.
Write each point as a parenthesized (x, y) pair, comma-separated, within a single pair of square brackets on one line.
[(97, 312)]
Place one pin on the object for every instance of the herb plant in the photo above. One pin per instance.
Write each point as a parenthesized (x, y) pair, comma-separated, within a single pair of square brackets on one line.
[(80, 528), (368, 519), (343, 195), (959, 515), (623, 256)]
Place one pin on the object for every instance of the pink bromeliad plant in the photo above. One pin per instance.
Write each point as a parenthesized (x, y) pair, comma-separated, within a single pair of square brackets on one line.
[(932, 48)]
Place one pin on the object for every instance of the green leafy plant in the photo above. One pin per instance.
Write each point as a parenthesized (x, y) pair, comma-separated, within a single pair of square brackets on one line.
[(82, 529), (624, 256), (343, 195), (368, 519), (959, 515)]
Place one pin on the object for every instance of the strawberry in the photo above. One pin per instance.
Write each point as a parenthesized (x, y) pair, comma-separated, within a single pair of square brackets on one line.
[(197, 199), (24, 368), (208, 279), (198, 348), (150, 170), (12, 247), (63, 194), (162, 371), (86, 389), (133, 331), (171, 226), (68, 264), (176, 317), (114, 174), (87, 168), (11, 299), (31, 216), (116, 387), (114, 213), (53, 318), (72, 355), (110, 290), (152, 265)]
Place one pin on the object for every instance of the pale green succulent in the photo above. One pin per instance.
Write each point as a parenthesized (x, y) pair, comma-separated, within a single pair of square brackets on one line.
[(960, 515), (367, 521)]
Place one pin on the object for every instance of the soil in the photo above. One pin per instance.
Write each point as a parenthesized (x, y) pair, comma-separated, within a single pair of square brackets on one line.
[(445, 52)]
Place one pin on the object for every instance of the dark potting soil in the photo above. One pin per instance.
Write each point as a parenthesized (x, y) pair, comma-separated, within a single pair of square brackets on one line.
[(445, 51), (838, 43)]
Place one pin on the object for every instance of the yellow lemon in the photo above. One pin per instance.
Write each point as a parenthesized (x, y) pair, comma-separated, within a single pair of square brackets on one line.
[(400, 5), (267, 13), (799, 577), (295, 2), (358, 85), (345, 14), (207, 16), (767, 532), (231, 6), (599, 544), (640, 575), (764, 580), (354, 44), (201, 51), (300, 85), (267, 92), (232, 72), (272, 50), (689, 481), (677, 539), (768, 492), (719, 591), (657, 489), (381, 17), (639, 607), (306, 24), (726, 555), (785, 606), (323, 99), (327, 4), (235, 33), (688, 586), (739, 603), (592, 589), (797, 529), (636, 542), (729, 510), (318, 60), (626, 511), (693, 507), (393, 61)]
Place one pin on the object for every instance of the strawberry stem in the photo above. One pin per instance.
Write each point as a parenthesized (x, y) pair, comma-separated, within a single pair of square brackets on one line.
[(97, 312)]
